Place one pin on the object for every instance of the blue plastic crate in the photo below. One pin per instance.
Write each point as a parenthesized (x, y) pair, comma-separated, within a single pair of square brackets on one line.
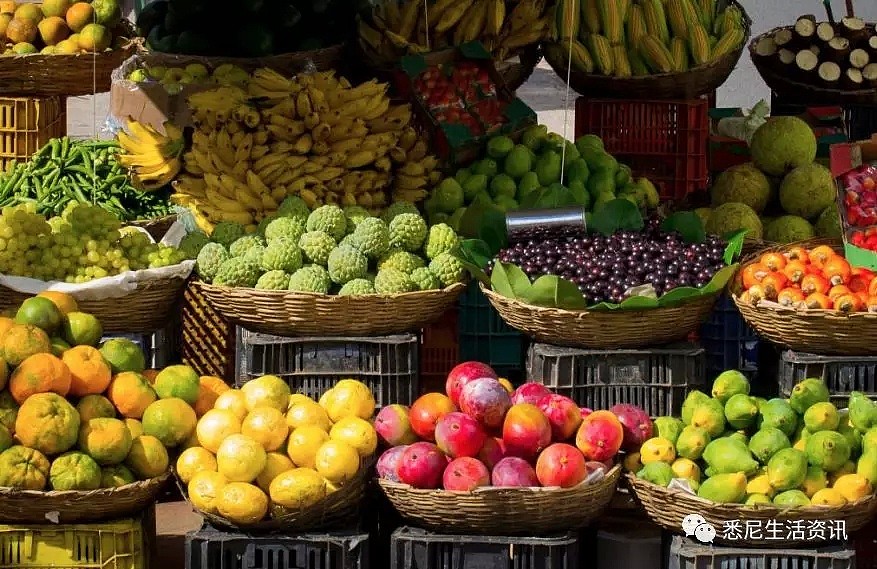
[(728, 341), (485, 337)]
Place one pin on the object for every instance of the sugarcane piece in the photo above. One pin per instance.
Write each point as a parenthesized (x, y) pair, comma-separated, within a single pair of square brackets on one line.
[(829, 73), (786, 58), (872, 44), (783, 38), (766, 47), (805, 29), (869, 74), (859, 58), (825, 31), (852, 79), (854, 29), (837, 50), (815, 49), (806, 63)]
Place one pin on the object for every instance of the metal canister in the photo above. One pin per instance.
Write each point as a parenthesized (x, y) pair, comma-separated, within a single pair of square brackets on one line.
[(540, 224)]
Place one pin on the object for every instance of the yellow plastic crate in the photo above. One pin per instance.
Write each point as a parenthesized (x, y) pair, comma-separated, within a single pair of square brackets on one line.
[(28, 123), (120, 544)]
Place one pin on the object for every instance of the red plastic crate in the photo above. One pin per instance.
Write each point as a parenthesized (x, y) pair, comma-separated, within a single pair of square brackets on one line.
[(666, 141), (439, 352)]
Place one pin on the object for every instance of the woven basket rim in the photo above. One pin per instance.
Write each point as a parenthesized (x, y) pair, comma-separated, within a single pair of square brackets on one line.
[(66, 494), (287, 294)]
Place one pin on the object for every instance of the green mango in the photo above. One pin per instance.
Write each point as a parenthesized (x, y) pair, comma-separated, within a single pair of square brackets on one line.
[(518, 162), (448, 196), (548, 168), (791, 498), (828, 450), (709, 415), (605, 162), (729, 455), (853, 437), (533, 137), (691, 442), (602, 199), (601, 182), (623, 175), (807, 393), (499, 146), (760, 401), (650, 192), (822, 416), (741, 411), (462, 175), (729, 383), (474, 184), (815, 481), (694, 398), (579, 194), (766, 442), (529, 182), (867, 466), (724, 488), (787, 469), (779, 414), (488, 166), (754, 499), (589, 141), (869, 439), (863, 411), (503, 185), (737, 435), (577, 171), (482, 198), (669, 428), (505, 203), (659, 473)]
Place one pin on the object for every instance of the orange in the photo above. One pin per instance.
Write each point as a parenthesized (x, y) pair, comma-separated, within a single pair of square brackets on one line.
[(123, 355), (21, 341), (298, 489), (95, 406), (135, 427), (240, 458), (266, 391), (81, 328), (79, 15), (303, 444), (55, 8), (24, 468), (5, 324), (65, 303), (267, 426), (30, 12), (177, 381), (147, 458), (358, 433), (8, 6), (171, 421), (336, 461), (89, 371), (233, 401), (105, 440), (95, 38), (115, 476), (40, 373), (48, 423), (39, 311), (209, 389), (308, 413), (131, 394)]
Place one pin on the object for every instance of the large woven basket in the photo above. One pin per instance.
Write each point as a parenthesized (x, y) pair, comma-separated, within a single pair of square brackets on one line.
[(787, 88), (284, 313), (828, 332), (690, 84), (668, 508), (66, 75), (74, 506), (339, 509), (144, 310), (603, 329), (503, 511)]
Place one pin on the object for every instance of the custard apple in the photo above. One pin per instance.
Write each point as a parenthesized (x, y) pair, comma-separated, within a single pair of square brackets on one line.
[(393, 281), (447, 268), (285, 227), (424, 279), (293, 206), (260, 229), (282, 255), (441, 239), (401, 260), (408, 231), (355, 214), (209, 259), (357, 287), (397, 208), (346, 264), (243, 244), (192, 243), (328, 218), (227, 232), (316, 246), (254, 254), (237, 272), (372, 237), (348, 240), (310, 278), (274, 280)]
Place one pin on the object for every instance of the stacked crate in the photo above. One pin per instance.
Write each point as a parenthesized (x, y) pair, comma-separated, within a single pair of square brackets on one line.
[(27, 124)]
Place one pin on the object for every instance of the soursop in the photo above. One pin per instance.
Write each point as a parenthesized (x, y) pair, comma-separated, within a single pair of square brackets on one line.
[(227, 232), (731, 217), (783, 144), (237, 272), (401, 260), (310, 278), (393, 281), (293, 206), (191, 244), (328, 218), (788, 229), (397, 208), (346, 264), (743, 183), (316, 246), (807, 191), (243, 244), (408, 231), (209, 259), (274, 280), (372, 237), (355, 214), (254, 254), (447, 268), (282, 255), (441, 239), (424, 279), (285, 227), (357, 287)]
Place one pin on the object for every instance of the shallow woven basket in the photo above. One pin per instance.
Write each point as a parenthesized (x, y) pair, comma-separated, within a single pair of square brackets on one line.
[(144, 310), (668, 508), (603, 329), (73, 506), (789, 89), (324, 59), (155, 227), (828, 332), (284, 313), (503, 511), (338, 509), (690, 84)]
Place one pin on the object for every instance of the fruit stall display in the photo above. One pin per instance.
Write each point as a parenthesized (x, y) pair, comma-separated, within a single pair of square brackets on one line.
[(860, 206), (734, 456), (443, 456)]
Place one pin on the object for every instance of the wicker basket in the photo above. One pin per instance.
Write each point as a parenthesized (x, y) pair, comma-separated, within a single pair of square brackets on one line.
[(339, 509), (784, 87), (603, 329), (503, 511), (144, 310), (828, 332), (283, 313), (690, 84), (74, 507), (668, 508), (67, 75), (155, 227)]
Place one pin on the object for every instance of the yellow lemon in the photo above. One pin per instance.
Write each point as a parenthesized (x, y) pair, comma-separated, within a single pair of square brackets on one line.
[(307, 413), (267, 426), (297, 398), (266, 391), (853, 487), (828, 497), (358, 433), (194, 460), (233, 401), (685, 468), (657, 449), (204, 489), (240, 458), (303, 444), (242, 503), (336, 461), (275, 464), (215, 426), (298, 489), (349, 398), (760, 484)]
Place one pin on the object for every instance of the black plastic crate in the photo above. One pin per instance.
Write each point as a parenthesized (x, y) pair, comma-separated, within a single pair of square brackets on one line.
[(728, 341), (657, 379), (386, 364), (485, 337), (209, 548), (842, 374), (413, 548), (689, 554)]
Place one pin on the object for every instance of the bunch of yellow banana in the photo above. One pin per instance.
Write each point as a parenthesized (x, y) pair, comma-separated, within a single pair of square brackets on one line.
[(152, 158), (314, 135), (400, 27)]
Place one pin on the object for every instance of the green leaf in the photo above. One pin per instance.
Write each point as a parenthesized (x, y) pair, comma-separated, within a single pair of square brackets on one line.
[(678, 295), (735, 246), (688, 224), (617, 215), (509, 280), (604, 306), (555, 196), (474, 254), (555, 292), (720, 279), (638, 303)]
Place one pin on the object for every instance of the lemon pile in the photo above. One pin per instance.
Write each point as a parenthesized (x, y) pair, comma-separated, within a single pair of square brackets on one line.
[(262, 451)]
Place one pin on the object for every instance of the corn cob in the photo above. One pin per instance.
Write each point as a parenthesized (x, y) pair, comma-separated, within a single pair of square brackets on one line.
[(656, 20), (567, 19), (730, 18), (655, 54), (728, 43), (636, 25), (620, 62), (679, 54), (676, 16), (601, 52), (611, 21), (581, 58), (624, 9), (707, 10), (699, 44), (590, 16), (637, 66)]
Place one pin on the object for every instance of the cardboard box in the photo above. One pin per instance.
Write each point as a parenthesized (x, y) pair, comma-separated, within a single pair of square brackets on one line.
[(844, 159), (454, 142)]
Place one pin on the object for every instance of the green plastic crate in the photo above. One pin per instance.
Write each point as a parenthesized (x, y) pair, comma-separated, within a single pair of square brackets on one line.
[(485, 337)]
